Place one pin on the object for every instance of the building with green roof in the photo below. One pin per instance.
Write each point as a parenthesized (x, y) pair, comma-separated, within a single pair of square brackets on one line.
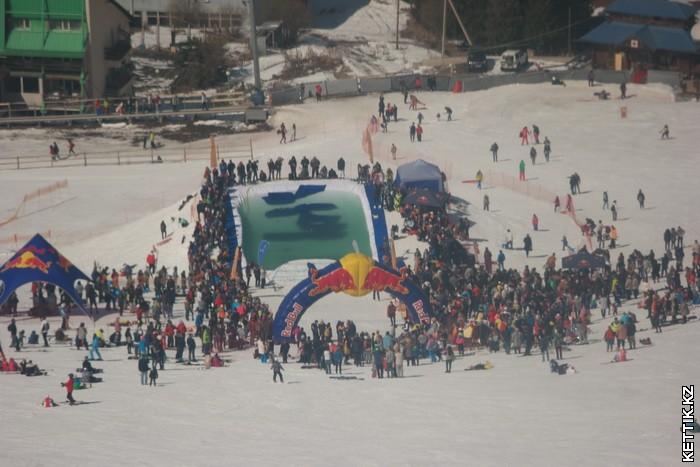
[(55, 49)]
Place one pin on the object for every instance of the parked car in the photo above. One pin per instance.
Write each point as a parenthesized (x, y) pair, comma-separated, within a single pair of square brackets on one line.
[(514, 60), (476, 61)]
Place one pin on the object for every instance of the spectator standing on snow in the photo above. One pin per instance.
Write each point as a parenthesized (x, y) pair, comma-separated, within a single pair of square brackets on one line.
[(533, 155), (143, 369), (448, 111), (283, 133), (393, 151), (277, 370), (419, 133), (535, 222), (536, 133), (521, 171), (605, 200), (640, 199), (613, 210), (69, 388), (527, 245), (449, 358), (547, 149), (294, 131), (163, 230), (341, 167), (412, 131), (524, 133), (665, 132), (487, 203), (494, 152)]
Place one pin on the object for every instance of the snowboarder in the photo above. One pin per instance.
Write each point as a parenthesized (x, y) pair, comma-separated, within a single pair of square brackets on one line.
[(277, 370), (521, 171), (547, 149), (494, 152), (664, 132), (533, 155), (412, 131), (393, 151), (640, 199)]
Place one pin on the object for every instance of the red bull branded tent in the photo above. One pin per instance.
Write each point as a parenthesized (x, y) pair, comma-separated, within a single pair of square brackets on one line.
[(354, 274), (39, 261)]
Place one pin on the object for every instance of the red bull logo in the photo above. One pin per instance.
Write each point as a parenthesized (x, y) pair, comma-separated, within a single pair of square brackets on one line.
[(27, 260), (291, 318), (336, 280), (382, 280), (64, 263)]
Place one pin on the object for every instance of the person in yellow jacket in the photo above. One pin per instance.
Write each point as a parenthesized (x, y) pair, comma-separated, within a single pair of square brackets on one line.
[(479, 178)]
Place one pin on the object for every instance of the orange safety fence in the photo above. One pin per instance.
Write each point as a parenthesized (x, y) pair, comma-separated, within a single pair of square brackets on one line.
[(38, 193)]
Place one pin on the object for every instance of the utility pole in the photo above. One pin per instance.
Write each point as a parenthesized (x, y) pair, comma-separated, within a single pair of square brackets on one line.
[(568, 42), (254, 44), (398, 2), (444, 24)]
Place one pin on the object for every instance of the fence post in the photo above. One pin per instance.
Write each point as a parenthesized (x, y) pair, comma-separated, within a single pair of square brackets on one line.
[(119, 162), (85, 159), (17, 162)]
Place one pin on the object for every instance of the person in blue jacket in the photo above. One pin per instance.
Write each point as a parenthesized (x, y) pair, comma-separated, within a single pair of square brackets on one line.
[(501, 260), (95, 348)]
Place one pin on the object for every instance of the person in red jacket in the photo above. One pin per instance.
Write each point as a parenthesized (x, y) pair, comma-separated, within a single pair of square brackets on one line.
[(48, 402), (535, 222), (69, 389)]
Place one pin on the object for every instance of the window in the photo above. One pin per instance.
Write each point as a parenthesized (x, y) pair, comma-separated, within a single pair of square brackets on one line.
[(21, 23), (63, 25), (30, 85)]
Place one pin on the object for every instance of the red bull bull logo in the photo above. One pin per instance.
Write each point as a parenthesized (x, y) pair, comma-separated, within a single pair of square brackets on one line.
[(64, 263), (336, 280), (382, 280), (27, 260)]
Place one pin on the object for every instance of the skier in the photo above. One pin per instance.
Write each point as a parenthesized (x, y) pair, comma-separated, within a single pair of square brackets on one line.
[(524, 133), (521, 171), (533, 155), (640, 198), (536, 133), (547, 148), (535, 222), (605, 200), (95, 348), (664, 132), (412, 131), (393, 151), (479, 178), (277, 370), (487, 203), (69, 388), (494, 152)]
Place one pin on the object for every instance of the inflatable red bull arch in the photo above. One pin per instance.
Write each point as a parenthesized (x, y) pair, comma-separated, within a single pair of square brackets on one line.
[(354, 274)]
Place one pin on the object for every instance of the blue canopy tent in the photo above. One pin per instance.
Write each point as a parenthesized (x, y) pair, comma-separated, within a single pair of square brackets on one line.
[(419, 174), (39, 261)]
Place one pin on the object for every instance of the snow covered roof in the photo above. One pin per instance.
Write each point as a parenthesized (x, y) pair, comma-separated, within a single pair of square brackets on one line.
[(652, 8), (652, 37)]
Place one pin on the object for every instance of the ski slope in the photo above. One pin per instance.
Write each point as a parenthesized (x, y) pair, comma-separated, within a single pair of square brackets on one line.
[(515, 414)]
